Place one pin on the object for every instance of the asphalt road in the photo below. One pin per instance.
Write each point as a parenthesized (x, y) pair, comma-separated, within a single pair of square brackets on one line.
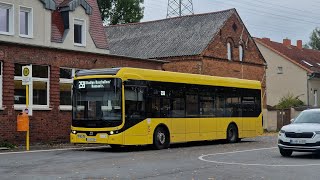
[(256, 158)]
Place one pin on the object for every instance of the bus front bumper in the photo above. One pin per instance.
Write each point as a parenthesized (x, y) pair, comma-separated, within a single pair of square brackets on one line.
[(98, 138)]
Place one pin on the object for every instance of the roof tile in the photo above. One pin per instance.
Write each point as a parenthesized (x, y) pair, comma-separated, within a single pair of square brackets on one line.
[(96, 29), (303, 57), (180, 36)]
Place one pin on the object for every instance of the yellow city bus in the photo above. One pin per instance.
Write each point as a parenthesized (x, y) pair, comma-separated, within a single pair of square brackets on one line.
[(131, 106)]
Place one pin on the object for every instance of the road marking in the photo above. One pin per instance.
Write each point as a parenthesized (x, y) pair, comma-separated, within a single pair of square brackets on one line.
[(51, 150), (202, 158)]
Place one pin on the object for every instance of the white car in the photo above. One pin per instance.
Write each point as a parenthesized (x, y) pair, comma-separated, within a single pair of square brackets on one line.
[(303, 134)]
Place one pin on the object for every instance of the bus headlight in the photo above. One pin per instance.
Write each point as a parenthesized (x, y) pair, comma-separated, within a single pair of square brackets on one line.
[(111, 132), (74, 132)]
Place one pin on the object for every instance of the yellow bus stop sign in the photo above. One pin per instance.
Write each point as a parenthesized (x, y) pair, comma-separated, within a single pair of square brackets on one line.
[(26, 71)]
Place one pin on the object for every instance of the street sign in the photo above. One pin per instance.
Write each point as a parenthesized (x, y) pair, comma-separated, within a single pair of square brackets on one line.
[(26, 75)]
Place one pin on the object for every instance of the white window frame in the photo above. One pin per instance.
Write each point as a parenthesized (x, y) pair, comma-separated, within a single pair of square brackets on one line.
[(81, 22), (11, 18), (241, 53), (35, 107), (67, 81), (229, 51), (30, 21)]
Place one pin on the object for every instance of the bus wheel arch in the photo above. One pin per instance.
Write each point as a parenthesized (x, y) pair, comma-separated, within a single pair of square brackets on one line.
[(161, 137), (232, 133)]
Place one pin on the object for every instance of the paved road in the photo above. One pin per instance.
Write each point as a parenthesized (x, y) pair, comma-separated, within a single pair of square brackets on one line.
[(256, 158)]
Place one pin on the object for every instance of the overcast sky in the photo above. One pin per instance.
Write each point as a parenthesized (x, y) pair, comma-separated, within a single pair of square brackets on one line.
[(276, 19)]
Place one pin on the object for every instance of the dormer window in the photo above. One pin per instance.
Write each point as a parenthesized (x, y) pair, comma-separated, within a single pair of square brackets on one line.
[(25, 23), (229, 51), (79, 32), (6, 19)]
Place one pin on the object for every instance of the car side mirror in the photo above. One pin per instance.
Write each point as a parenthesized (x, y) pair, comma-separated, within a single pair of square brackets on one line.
[(291, 121)]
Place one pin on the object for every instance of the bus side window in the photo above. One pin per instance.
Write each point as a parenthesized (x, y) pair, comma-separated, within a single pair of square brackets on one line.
[(135, 102)]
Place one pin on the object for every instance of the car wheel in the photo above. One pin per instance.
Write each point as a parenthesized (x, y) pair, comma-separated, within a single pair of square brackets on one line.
[(161, 139), (232, 133), (285, 152)]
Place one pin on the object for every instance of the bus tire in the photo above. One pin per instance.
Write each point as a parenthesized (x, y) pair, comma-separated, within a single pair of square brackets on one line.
[(232, 133), (161, 138)]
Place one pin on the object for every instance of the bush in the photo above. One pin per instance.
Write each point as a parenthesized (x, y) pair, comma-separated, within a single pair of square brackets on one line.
[(7, 145), (289, 101)]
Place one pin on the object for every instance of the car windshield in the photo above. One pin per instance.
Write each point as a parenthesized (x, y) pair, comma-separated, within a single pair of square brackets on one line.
[(308, 117)]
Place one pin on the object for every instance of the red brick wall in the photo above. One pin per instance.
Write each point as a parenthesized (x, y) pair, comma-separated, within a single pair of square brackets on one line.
[(218, 48), (213, 60), (52, 125)]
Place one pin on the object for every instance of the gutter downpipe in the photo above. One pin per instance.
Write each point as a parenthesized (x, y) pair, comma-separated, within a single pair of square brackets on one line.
[(309, 78)]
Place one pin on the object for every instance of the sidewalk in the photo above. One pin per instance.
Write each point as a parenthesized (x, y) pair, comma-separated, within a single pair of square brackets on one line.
[(48, 147)]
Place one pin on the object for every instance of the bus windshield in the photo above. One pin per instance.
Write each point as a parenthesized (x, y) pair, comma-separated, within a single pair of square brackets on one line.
[(97, 99)]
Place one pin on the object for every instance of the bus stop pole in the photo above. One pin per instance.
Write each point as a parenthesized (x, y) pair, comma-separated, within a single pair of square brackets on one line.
[(27, 104)]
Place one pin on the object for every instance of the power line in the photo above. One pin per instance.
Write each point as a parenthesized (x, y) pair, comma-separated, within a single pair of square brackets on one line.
[(277, 28), (275, 15), (285, 8)]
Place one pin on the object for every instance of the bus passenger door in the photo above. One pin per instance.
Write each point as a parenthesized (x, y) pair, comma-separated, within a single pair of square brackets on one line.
[(178, 123), (192, 120)]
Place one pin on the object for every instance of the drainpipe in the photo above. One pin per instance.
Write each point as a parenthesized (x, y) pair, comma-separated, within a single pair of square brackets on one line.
[(310, 77)]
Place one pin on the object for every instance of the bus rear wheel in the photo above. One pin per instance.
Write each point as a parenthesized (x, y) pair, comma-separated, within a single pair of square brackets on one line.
[(161, 138), (232, 133)]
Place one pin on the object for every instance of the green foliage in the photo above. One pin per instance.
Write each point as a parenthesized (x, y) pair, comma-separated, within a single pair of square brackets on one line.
[(314, 42), (7, 145), (289, 101), (306, 46), (121, 11)]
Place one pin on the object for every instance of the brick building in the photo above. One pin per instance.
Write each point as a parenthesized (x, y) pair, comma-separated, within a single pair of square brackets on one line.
[(57, 37), (215, 44)]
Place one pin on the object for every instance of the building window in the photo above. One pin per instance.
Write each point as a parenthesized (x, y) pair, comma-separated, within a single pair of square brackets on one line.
[(280, 70), (6, 19), (229, 49), (38, 90), (25, 22), (66, 75), (241, 53), (79, 32)]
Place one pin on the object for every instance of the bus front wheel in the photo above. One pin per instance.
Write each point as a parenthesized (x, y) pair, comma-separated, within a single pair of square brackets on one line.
[(232, 133), (161, 138)]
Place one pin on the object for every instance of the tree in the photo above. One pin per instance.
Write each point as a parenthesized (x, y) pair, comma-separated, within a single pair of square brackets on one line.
[(314, 42), (121, 11), (289, 101)]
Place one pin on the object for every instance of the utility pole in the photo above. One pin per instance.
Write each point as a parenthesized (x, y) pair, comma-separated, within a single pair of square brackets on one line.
[(179, 8)]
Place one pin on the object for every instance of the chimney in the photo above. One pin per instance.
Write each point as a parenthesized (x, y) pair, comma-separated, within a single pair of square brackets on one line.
[(266, 39), (299, 44), (287, 42)]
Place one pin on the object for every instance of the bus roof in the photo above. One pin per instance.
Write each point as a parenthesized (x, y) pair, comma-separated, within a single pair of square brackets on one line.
[(127, 73)]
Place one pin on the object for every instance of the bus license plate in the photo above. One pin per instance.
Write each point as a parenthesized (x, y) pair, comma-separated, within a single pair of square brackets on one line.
[(91, 139), (297, 141)]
